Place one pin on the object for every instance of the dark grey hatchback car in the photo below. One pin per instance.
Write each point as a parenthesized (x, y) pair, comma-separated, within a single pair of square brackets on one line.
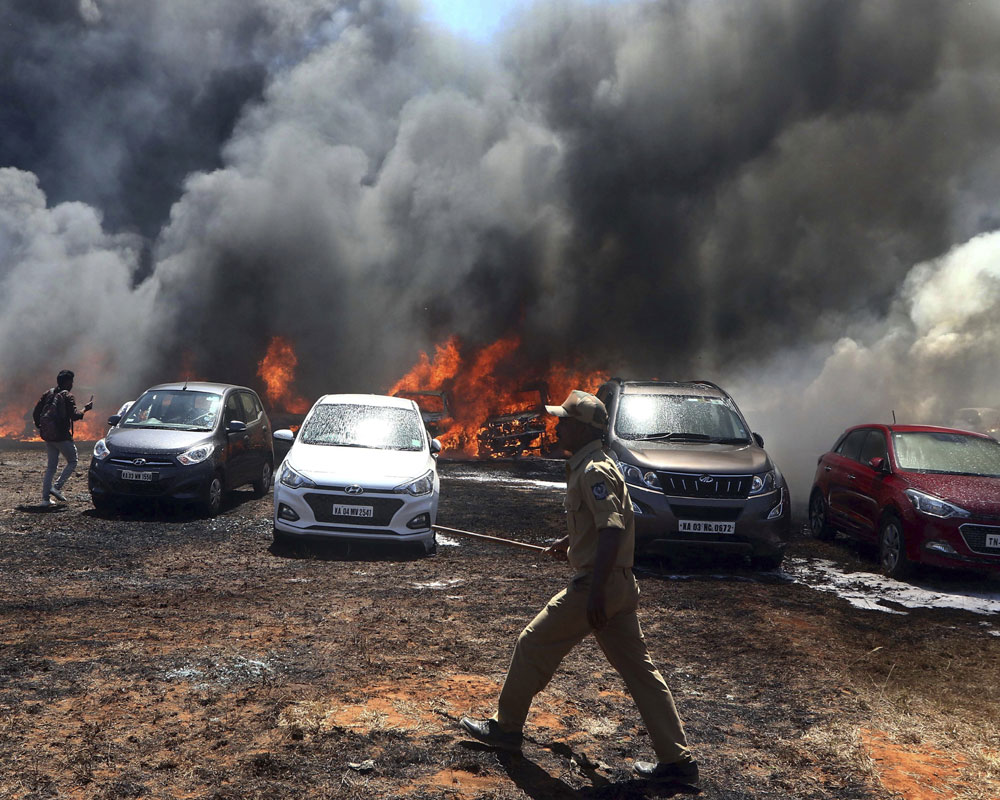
[(189, 441)]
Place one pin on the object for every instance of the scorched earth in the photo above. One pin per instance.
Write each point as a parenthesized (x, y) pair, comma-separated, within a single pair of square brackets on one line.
[(159, 654)]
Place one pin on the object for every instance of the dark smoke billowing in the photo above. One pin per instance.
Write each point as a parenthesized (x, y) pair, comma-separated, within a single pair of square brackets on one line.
[(794, 199)]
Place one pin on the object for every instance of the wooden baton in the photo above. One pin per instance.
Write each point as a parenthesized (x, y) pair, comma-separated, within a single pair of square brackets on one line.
[(497, 539)]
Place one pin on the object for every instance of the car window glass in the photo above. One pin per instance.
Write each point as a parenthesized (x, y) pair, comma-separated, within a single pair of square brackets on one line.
[(234, 409), (249, 411), (952, 453), (851, 446), (647, 415), (355, 425), (874, 447), (180, 409)]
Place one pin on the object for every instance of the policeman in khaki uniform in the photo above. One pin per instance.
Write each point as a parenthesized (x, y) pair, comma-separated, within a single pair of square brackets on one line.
[(601, 599)]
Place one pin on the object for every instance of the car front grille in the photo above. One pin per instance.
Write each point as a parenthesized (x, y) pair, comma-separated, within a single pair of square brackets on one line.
[(975, 538), (706, 513), (705, 485), (383, 509), (127, 461)]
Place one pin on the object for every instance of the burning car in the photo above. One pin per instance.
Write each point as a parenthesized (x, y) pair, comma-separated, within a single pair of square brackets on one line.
[(519, 432), (434, 410), (362, 467)]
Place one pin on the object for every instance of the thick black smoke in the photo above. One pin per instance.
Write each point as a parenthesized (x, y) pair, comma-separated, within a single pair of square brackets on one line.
[(774, 195)]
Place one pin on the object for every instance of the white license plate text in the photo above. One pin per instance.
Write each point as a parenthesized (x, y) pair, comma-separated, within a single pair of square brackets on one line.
[(130, 475), (366, 512), (702, 526)]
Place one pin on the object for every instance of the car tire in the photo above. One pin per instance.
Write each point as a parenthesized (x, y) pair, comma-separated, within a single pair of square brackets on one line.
[(819, 517), (263, 483), (103, 504), (892, 557), (768, 562), (212, 498)]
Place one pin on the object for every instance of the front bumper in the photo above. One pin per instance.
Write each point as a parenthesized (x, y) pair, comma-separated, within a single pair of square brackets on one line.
[(167, 480), (657, 518), (952, 544), (308, 513)]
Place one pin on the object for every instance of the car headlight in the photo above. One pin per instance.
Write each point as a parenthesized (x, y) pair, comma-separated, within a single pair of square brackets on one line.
[(196, 454), (422, 485), (292, 479), (101, 450), (764, 482), (637, 477), (934, 506)]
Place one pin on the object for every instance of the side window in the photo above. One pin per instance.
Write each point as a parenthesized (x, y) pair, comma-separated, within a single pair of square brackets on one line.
[(851, 446), (874, 447), (234, 408), (249, 409)]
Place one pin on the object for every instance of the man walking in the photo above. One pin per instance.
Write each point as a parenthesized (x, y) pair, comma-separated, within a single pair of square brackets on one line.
[(54, 415), (602, 599)]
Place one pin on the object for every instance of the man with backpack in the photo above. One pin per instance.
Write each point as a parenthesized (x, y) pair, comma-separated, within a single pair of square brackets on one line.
[(54, 415)]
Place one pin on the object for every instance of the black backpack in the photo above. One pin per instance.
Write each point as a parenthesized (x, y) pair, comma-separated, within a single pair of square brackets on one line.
[(52, 416)]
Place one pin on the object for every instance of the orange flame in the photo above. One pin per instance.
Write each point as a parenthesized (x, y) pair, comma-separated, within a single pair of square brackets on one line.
[(277, 369), (495, 397)]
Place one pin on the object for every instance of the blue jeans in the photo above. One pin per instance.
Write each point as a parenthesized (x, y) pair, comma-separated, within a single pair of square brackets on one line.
[(68, 451)]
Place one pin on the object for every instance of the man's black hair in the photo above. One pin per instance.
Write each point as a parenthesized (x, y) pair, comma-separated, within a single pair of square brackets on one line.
[(65, 379)]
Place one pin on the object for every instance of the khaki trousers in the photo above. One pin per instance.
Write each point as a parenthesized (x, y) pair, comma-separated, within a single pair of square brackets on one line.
[(559, 626)]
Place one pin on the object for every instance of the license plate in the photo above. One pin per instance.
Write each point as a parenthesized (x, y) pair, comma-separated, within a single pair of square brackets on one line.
[(701, 526), (130, 475), (993, 540), (366, 512)]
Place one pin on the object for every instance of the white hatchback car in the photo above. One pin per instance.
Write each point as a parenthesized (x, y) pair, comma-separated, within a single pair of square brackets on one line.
[(362, 466)]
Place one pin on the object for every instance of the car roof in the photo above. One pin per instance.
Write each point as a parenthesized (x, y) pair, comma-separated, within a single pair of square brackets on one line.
[(366, 400), (196, 386), (895, 428), (693, 388)]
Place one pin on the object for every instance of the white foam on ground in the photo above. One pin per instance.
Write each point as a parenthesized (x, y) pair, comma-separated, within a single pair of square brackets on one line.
[(877, 593), (445, 584), (447, 541)]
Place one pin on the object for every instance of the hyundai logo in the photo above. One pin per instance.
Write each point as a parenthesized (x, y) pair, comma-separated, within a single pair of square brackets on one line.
[(706, 479), (139, 462), (355, 489)]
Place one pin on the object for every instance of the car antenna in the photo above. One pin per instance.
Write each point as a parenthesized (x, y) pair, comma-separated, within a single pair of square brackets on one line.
[(186, 388), (893, 414)]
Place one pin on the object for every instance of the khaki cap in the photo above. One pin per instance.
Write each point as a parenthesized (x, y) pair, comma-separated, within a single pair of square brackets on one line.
[(584, 407)]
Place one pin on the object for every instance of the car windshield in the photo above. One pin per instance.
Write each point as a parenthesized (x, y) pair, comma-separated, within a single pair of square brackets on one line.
[(355, 425), (953, 453), (177, 409), (679, 417)]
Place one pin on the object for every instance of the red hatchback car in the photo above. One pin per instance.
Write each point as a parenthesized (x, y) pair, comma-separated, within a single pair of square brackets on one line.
[(923, 494)]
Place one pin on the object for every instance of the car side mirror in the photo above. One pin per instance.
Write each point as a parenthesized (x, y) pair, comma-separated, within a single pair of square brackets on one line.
[(236, 426), (759, 439), (114, 419), (435, 447), (879, 464), (284, 435)]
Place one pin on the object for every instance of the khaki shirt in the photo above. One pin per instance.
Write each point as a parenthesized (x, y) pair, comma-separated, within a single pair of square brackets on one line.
[(596, 498)]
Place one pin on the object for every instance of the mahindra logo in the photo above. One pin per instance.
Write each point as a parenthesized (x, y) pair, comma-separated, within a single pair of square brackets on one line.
[(706, 479), (139, 462), (354, 489)]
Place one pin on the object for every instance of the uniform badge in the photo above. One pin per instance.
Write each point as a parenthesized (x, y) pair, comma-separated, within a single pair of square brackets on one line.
[(600, 490)]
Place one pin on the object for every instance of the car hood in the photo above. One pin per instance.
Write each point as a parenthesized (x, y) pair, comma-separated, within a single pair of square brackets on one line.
[(151, 440), (728, 459), (977, 494), (344, 465)]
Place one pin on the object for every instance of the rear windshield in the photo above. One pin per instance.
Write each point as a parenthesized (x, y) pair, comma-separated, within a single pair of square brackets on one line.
[(680, 417), (953, 453), (176, 409), (376, 427)]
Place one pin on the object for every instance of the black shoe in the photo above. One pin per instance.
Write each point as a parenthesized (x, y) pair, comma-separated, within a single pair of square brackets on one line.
[(676, 771), (57, 495), (488, 732)]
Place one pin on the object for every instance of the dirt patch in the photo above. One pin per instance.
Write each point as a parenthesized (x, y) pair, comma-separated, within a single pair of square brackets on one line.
[(153, 653)]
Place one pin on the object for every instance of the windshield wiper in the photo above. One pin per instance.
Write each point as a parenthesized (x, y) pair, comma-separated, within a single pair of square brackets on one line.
[(676, 436), (732, 440)]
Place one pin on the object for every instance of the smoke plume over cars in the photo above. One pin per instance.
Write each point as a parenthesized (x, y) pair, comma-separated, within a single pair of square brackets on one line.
[(796, 200)]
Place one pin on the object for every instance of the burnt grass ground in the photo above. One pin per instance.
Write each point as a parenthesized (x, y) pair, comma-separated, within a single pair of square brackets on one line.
[(156, 653)]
